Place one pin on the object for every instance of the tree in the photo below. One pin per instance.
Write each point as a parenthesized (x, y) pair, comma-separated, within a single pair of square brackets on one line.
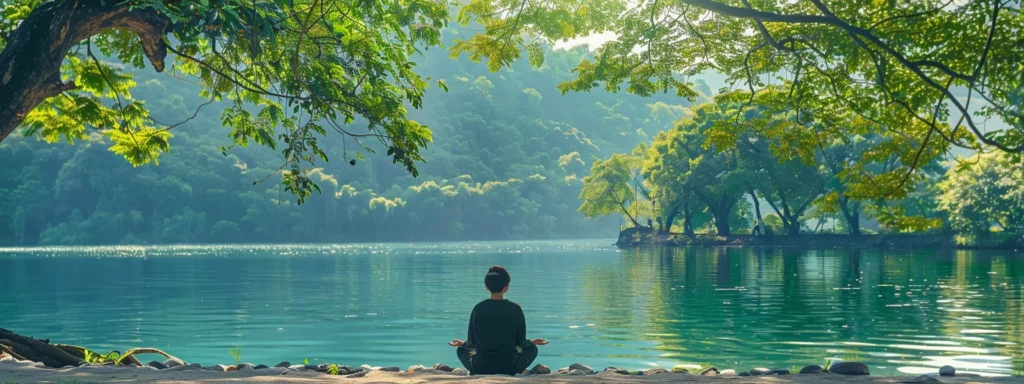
[(849, 58), (684, 160), (287, 71), (609, 189), (988, 195)]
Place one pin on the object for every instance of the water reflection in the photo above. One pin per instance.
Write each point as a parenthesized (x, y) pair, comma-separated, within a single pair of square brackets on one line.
[(907, 312)]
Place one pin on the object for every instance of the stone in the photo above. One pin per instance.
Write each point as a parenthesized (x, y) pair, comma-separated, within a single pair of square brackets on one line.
[(947, 370), (415, 368), (156, 364), (849, 368), (313, 367), (654, 371), (298, 367), (926, 379), (218, 368), (812, 369), (541, 369), (710, 372), (232, 368), (679, 368), (577, 372), (246, 366), (283, 364), (744, 374), (358, 374), (461, 371), (261, 366), (619, 371), (580, 367), (727, 372), (172, 362), (563, 370), (442, 367), (759, 371), (187, 367), (390, 369)]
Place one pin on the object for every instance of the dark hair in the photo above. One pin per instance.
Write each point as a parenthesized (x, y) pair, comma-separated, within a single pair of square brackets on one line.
[(497, 279)]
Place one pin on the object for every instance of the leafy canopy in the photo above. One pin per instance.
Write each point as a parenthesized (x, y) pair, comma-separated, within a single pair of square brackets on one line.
[(927, 75), (285, 72)]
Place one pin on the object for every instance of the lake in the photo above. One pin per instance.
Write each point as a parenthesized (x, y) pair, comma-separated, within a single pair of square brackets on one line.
[(397, 304)]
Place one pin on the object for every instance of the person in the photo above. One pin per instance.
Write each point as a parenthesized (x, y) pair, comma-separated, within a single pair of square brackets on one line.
[(496, 342), (757, 229)]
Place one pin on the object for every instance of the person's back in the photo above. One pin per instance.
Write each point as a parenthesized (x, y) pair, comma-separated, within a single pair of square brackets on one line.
[(497, 342), (496, 329)]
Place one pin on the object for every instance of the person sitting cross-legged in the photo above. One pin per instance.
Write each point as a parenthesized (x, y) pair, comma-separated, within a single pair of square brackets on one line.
[(497, 342)]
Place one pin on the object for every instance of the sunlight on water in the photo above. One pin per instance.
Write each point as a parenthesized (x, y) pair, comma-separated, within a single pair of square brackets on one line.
[(397, 304)]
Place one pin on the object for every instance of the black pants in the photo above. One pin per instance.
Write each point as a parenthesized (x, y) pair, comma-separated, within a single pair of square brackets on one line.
[(526, 356)]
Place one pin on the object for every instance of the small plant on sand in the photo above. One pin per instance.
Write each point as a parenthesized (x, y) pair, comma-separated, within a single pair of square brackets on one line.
[(236, 353), (828, 364), (305, 361), (333, 369), (96, 358)]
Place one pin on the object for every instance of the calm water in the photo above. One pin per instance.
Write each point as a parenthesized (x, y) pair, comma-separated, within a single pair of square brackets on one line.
[(397, 304)]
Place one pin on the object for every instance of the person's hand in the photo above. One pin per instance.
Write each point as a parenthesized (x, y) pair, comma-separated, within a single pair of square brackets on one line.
[(456, 343), (539, 342)]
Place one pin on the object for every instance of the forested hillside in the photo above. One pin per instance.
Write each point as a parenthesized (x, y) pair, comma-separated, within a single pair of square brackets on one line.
[(508, 153)]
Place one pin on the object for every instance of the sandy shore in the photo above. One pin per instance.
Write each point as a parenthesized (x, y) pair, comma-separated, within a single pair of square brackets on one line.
[(11, 373)]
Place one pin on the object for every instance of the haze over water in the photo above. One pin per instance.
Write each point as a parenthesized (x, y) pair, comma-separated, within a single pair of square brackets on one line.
[(397, 304)]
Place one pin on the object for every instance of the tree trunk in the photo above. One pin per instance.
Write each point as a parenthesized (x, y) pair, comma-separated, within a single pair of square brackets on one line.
[(36, 350), (671, 218), (852, 216), (721, 217), (30, 63), (757, 211)]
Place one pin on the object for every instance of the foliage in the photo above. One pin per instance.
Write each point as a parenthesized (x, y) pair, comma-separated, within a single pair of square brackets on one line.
[(773, 221), (499, 168), (283, 73), (609, 189), (839, 70), (333, 369), (236, 353), (985, 196)]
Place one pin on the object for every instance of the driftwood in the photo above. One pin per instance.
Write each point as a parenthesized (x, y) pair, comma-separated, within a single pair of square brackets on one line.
[(62, 355), (36, 350)]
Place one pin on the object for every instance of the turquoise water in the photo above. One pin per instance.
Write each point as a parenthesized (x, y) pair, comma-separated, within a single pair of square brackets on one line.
[(397, 304)]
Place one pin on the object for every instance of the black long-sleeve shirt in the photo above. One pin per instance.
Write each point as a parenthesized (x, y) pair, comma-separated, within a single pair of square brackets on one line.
[(496, 329)]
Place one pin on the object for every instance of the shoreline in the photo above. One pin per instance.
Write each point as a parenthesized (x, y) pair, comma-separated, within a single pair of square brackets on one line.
[(12, 371), (27, 359), (644, 237)]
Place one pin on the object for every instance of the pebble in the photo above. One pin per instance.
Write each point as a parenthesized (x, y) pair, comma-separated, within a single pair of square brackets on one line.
[(541, 369), (246, 366), (461, 371), (390, 369), (744, 374), (156, 364), (261, 366), (849, 368), (710, 372), (442, 367), (812, 369), (188, 367), (283, 364), (779, 371), (727, 372), (580, 367), (759, 371), (218, 368), (680, 369), (577, 372), (620, 371), (655, 371), (172, 362), (415, 368), (947, 370), (358, 374)]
